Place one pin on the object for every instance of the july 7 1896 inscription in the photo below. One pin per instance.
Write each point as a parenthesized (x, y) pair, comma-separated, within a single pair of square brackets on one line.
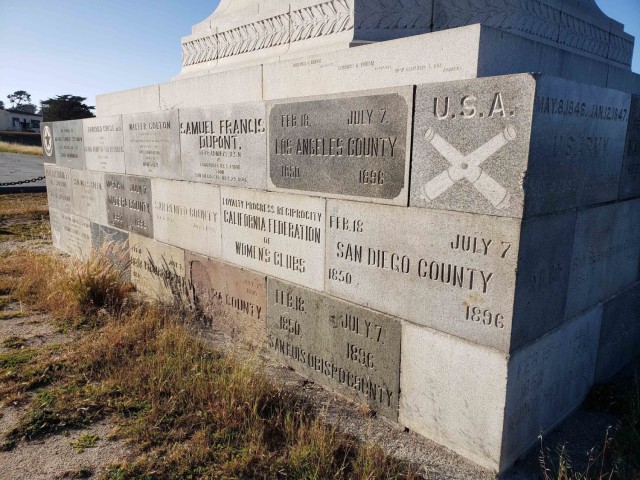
[(347, 147)]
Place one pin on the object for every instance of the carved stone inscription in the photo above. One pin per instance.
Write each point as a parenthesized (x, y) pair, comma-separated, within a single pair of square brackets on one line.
[(72, 234), (274, 233), (129, 203), (48, 142), (68, 143), (224, 144), (450, 271), (89, 195), (187, 215), (158, 270), (59, 192), (345, 146), (152, 144), (471, 143), (336, 343), (233, 300), (630, 181), (103, 144)]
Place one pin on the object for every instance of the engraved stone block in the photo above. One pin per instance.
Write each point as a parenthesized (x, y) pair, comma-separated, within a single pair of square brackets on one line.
[(187, 215), (103, 144), (158, 270), (152, 144), (232, 300), (341, 345), (620, 334), (59, 192), (129, 203), (517, 145), (489, 406), (496, 281), (606, 254), (48, 142), (630, 181), (89, 195), (274, 233), (68, 144), (353, 147), (70, 233), (225, 144), (114, 244)]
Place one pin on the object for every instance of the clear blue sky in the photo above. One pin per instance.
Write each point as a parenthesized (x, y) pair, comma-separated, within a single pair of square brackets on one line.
[(88, 47)]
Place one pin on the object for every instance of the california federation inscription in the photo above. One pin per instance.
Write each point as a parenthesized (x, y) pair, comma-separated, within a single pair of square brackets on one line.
[(337, 343), (348, 147)]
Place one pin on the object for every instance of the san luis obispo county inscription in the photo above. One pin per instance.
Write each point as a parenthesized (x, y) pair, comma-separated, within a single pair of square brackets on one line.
[(343, 146)]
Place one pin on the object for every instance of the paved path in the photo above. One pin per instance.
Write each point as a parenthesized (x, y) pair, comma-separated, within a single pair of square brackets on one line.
[(17, 166)]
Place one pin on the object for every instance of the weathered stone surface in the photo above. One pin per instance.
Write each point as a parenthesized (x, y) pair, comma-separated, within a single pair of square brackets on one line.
[(59, 192), (136, 100), (454, 272), (274, 233), (89, 195), (516, 145), (48, 142), (606, 254), (103, 144), (620, 334), (336, 343), (630, 181), (232, 300), (240, 85), (158, 270), (129, 203), (343, 146), (70, 233), (152, 144), (187, 215), (491, 407), (114, 244), (68, 144), (225, 145)]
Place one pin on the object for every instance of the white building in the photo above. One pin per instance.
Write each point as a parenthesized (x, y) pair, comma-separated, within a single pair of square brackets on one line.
[(17, 121)]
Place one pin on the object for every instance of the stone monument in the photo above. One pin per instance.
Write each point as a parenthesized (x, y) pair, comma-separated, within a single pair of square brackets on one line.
[(383, 196)]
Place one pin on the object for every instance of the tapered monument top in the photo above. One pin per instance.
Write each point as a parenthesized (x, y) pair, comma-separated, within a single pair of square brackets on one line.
[(254, 31)]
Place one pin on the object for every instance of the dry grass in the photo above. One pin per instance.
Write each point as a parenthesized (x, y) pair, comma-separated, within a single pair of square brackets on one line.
[(191, 412), (19, 148), (24, 205)]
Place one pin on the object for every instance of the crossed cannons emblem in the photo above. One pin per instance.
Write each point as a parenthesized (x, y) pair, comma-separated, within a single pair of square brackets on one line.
[(468, 167)]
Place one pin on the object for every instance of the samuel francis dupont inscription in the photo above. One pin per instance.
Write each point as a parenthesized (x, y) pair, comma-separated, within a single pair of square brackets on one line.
[(345, 147)]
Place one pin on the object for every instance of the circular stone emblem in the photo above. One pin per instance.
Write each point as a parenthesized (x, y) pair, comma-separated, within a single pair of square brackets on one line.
[(48, 141)]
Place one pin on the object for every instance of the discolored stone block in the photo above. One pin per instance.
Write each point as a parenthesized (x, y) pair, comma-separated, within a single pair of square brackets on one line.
[(338, 344), (232, 300), (114, 244), (129, 203)]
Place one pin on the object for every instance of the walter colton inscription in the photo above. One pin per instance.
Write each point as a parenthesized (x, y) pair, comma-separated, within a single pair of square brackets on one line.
[(346, 146)]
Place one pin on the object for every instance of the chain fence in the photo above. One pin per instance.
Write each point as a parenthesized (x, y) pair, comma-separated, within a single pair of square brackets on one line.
[(21, 182)]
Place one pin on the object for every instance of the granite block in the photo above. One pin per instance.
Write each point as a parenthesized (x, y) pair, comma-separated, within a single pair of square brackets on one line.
[(344, 146), (48, 142), (277, 234), (70, 233), (158, 270), (59, 190), (103, 144), (486, 405), (187, 215), (630, 180), (129, 203), (620, 334), (114, 244), (338, 344), (89, 195), (606, 254), (135, 100), (517, 145), (68, 144), (225, 145), (451, 271), (152, 144), (230, 299)]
